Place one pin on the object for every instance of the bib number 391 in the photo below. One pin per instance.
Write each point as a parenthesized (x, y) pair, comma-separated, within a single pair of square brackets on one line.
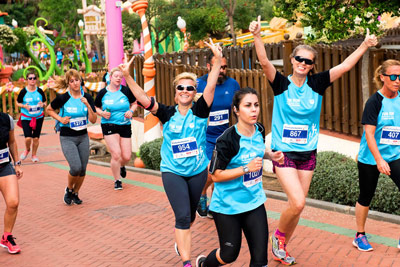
[(390, 135), (185, 147), (295, 134)]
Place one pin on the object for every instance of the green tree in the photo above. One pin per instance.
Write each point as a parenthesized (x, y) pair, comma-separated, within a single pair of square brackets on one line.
[(24, 13), (336, 20), (19, 46), (62, 11)]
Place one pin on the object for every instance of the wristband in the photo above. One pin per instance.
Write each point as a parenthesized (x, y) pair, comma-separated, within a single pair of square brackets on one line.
[(17, 163), (131, 110)]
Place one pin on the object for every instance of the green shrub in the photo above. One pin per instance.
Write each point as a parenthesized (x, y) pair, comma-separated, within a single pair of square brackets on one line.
[(336, 180), (150, 154), (17, 74)]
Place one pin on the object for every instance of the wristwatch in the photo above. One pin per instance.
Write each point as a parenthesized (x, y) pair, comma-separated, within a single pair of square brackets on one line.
[(245, 169), (17, 163)]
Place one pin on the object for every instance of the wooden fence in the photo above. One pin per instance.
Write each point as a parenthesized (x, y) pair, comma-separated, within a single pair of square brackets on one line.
[(343, 102)]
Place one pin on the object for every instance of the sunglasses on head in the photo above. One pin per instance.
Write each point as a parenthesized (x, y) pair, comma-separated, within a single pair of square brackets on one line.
[(392, 77), (306, 60), (31, 78), (189, 88)]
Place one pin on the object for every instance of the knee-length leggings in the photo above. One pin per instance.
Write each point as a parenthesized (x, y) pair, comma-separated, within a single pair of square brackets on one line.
[(368, 179), (184, 194), (229, 227), (76, 152)]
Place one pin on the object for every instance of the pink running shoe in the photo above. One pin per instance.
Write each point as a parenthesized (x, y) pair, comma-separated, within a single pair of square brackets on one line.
[(35, 159), (9, 244), (24, 155)]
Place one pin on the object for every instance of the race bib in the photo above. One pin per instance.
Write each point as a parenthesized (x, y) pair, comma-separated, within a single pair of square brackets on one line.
[(390, 135), (4, 155), (34, 109), (252, 178), (185, 147), (219, 117), (78, 124), (295, 134)]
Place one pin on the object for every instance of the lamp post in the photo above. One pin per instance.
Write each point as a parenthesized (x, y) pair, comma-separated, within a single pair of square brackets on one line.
[(181, 23), (84, 56), (152, 127)]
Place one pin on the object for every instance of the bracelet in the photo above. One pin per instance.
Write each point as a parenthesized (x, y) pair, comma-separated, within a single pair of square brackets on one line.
[(131, 110)]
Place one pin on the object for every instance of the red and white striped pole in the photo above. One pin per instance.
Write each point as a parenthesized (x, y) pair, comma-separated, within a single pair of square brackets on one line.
[(152, 129)]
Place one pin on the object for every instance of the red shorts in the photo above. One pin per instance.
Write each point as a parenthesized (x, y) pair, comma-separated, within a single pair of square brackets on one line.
[(307, 165)]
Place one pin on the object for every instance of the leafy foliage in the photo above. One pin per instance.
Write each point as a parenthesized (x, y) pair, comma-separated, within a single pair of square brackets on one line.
[(19, 46), (24, 13), (336, 180), (150, 154), (336, 20), (7, 37)]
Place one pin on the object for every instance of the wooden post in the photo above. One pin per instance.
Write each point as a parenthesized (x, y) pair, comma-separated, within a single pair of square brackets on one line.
[(287, 50)]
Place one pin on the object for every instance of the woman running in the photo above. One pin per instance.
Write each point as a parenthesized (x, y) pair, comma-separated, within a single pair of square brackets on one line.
[(183, 152), (9, 180), (237, 202), (380, 143), (76, 110), (295, 126), (32, 102), (116, 104)]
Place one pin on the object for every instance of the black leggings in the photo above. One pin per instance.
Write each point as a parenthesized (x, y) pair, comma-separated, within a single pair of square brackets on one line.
[(368, 179), (184, 194), (229, 227), (28, 131)]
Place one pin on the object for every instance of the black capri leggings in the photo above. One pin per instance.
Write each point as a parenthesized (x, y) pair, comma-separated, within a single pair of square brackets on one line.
[(229, 227), (368, 179), (28, 131), (184, 194)]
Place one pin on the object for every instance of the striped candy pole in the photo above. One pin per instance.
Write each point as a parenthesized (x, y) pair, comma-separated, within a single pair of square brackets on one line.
[(152, 129)]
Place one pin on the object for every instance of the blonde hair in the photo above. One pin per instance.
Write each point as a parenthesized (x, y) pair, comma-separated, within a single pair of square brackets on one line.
[(382, 69), (114, 70), (185, 75), (63, 82), (308, 48)]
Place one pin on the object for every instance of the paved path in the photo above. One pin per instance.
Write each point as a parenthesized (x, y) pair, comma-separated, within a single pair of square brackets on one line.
[(134, 227)]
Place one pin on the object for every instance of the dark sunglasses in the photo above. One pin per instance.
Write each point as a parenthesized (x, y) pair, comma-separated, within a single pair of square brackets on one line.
[(392, 77), (31, 78), (189, 88), (306, 60)]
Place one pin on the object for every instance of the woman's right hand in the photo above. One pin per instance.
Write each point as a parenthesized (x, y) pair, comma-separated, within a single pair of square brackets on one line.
[(255, 27), (64, 120), (255, 164), (215, 48), (106, 114), (383, 166)]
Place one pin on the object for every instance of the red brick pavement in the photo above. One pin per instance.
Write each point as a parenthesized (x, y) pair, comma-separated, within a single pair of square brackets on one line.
[(134, 227)]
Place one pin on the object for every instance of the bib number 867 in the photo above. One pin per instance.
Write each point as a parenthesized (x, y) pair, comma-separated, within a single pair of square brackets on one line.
[(295, 133)]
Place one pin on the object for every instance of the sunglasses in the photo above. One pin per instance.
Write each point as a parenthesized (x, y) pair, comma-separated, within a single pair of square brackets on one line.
[(306, 60), (189, 88), (392, 77), (31, 78)]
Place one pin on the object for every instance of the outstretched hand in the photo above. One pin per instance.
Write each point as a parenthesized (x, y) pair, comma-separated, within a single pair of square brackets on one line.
[(370, 40), (124, 67), (215, 48), (255, 26)]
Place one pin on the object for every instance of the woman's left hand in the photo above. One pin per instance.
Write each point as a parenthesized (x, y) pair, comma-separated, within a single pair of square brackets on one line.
[(370, 40), (128, 114), (277, 156), (18, 171)]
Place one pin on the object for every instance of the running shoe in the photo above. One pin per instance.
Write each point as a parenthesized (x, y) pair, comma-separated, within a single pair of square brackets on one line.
[(188, 265), (68, 196), (24, 155), (122, 172), (117, 185), (202, 207), (200, 260), (35, 159), (176, 249), (209, 214), (9, 244), (361, 243), (279, 252), (76, 199)]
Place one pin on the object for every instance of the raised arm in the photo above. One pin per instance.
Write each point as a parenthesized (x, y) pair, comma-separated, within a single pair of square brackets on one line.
[(208, 92), (137, 91), (337, 71), (269, 69)]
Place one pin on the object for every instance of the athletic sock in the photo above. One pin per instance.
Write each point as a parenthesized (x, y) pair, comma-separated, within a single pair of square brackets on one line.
[(278, 233), (360, 233), (211, 260), (186, 262)]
